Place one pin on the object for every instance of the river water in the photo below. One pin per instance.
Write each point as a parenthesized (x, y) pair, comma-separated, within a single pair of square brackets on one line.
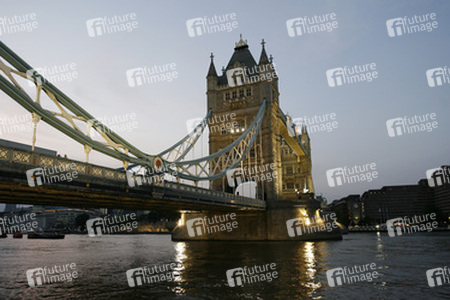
[(102, 262)]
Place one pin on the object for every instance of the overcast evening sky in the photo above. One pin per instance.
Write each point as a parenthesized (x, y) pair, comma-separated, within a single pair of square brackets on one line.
[(162, 109)]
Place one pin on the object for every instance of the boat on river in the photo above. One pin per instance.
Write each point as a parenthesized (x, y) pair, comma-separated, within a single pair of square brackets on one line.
[(46, 235)]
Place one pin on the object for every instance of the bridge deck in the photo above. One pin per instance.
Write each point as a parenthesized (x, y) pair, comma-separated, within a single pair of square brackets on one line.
[(97, 186)]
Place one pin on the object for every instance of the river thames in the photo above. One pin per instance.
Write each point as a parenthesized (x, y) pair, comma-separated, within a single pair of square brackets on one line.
[(200, 272)]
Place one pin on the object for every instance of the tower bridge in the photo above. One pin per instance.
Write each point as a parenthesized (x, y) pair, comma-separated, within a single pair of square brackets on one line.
[(264, 135)]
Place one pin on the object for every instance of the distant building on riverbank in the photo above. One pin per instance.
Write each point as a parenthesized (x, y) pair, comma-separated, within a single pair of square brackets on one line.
[(378, 205), (348, 210), (393, 201)]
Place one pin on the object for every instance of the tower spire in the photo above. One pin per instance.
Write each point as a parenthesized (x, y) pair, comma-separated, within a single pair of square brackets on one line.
[(304, 128), (241, 43), (263, 58), (212, 68)]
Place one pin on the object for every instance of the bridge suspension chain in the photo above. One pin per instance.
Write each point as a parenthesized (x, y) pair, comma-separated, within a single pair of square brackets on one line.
[(216, 165), (67, 120), (179, 151), (69, 114)]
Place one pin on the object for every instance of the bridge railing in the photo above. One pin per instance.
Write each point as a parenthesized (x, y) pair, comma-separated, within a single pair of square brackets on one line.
[(210, 193), (41, 160)]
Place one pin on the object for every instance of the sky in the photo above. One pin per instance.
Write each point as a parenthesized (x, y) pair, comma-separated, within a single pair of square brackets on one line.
[(160, 37)]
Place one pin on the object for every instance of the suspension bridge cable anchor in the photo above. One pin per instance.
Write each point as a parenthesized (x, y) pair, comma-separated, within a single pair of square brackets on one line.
[(87, 149), (35, 119)]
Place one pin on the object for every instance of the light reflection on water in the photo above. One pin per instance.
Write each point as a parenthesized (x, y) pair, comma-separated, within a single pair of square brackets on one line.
[(301, 266), (310, 265)]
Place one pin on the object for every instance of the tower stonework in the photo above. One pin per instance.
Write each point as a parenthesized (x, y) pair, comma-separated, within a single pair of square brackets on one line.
[(297, 171), (239, 92), (235, 98)]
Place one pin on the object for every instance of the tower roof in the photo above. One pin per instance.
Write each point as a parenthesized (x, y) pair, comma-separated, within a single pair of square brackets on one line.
[(242, 55), (241, 43)]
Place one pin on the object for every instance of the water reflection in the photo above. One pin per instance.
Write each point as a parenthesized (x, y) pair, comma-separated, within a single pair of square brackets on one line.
[(301, 267), (297, 264), (309, 251)]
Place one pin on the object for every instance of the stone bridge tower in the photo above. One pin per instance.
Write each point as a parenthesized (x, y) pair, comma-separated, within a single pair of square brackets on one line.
[(235, 97)]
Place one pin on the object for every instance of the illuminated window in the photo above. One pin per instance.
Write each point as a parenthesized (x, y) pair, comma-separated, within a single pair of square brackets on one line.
[(239, 127)]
